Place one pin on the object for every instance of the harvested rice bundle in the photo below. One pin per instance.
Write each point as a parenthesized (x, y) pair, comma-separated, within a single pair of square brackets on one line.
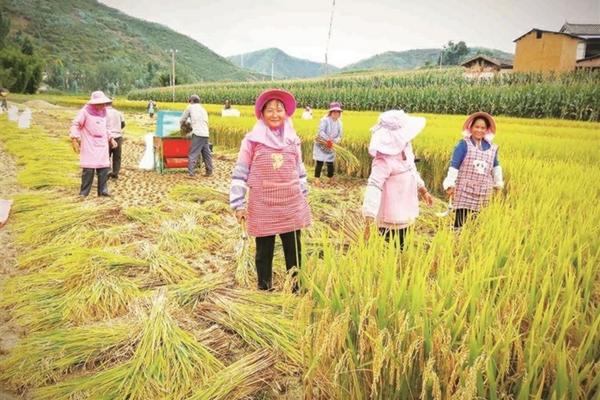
[(164, 268), (146, 215), (43, 226), (167, 363), (46, 357), (257, 324), (245, 269), (241, 379), (194, 291), (88, 284), (186, 237)]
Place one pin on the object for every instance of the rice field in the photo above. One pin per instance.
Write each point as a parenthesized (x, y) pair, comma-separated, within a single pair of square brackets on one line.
[(155, 299)]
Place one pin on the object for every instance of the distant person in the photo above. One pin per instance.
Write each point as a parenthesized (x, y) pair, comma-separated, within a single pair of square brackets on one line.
[(200, 146), (151, 108), (4, 96), (392, 197), (90, 139), (307, 113), (330, 132), (229, 111), (270, 170), (474, 169), (115, 122)]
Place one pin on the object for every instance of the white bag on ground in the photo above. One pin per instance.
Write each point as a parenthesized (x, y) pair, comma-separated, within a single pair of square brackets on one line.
[(13, 113), (24, 120), (147, 161)]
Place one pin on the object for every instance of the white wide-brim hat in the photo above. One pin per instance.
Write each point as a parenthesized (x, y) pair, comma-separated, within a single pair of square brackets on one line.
[(394, 129)]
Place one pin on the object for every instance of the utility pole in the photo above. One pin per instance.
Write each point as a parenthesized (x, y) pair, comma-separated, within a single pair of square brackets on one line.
[(329, 38), (173, 52)]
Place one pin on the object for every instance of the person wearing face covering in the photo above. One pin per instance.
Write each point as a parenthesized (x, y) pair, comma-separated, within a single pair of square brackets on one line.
[(91, 138), (392, 196), (474, 169), (270, 171)]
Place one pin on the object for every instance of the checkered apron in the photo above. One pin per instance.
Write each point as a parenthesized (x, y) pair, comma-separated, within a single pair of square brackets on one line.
[(275, 203), (475, 181)]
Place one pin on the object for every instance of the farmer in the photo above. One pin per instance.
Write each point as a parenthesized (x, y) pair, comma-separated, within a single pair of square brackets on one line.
[(115, 122), (91, 139), (227, 105), (270, 167), (330, 132), (151, 108), (4, 102), (307, 113), (474, 169), (199, 120), (391, 199)]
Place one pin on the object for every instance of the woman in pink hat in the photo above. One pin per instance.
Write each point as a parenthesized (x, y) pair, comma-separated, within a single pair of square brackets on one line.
[(394, 185), (90, 138), (270, 168), (474, 169), (330, 132)]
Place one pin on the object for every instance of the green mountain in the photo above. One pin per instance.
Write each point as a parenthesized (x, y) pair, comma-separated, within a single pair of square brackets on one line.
[(417, 58), (87, 45), (282, 64)]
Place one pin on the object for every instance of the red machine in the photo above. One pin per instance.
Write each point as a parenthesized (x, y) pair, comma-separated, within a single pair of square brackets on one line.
[(171, 152)]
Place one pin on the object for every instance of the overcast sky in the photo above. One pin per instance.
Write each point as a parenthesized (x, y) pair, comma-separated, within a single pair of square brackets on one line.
[(361, 28)]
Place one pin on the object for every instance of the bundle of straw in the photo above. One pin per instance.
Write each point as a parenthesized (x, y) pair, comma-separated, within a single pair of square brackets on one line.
[(241, 379)]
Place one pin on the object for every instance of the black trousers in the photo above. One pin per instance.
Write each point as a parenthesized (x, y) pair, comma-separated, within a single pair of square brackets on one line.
[(461, 215), (115, 155), (87, 178), (396, 235), (319, 167), (265, 247)]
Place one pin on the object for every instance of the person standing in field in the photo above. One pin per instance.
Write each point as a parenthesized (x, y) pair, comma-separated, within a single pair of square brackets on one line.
[(270, 168), (199, 120), (307, 113), (151, 108), (330, 132), (474, 168), (91, 139), (115, 123), (392, 197), (4, 102)]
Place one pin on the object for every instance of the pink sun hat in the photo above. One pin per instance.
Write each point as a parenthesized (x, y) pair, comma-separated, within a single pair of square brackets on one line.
[(98, 97), (335, 106), (288, 100)]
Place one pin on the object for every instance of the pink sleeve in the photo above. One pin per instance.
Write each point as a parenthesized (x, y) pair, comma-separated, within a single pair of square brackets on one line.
[(77, 125), (380, 171), (246, 153)]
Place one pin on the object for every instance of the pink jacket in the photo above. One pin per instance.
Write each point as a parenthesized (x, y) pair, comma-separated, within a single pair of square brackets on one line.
[(93, 133), (391, 197)]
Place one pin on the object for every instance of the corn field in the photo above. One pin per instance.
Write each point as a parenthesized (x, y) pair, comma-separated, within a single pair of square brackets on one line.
[(572, 95), (119, 303)]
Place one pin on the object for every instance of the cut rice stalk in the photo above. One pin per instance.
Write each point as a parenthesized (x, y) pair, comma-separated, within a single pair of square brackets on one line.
[(241, 379)]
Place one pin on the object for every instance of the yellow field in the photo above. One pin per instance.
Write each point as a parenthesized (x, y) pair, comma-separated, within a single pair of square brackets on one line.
[(139, 302)]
